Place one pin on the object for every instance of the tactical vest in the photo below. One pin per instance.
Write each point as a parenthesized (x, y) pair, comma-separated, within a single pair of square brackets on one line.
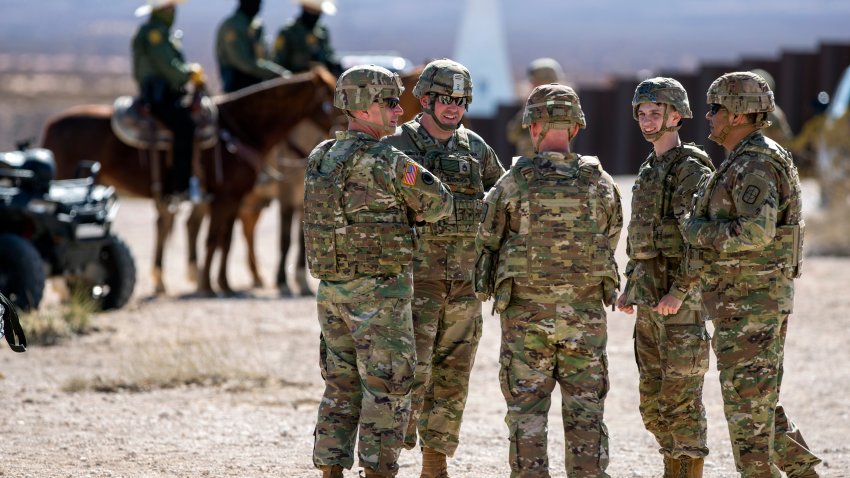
[(785, 252), (460, 171), (653, 229), (340, 247), (560, 240)]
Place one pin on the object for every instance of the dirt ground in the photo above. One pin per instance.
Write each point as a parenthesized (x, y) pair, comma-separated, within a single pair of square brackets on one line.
[(229, 387)]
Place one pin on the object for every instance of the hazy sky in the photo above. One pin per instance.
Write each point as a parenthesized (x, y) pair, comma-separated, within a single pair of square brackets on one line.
[(597, 38)]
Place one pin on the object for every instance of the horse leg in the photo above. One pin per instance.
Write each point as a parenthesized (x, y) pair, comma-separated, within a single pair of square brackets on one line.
[(301, 264), (225, 243), (249, 215), (164, 223), (193, 228), (286, 213)]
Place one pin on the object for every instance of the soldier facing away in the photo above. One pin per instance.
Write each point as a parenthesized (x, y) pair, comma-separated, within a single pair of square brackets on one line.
[(446, 313), (161, 72), (746, 235), (546, 251), (241, 51), (360, 196), (305, 39), (671, 342)]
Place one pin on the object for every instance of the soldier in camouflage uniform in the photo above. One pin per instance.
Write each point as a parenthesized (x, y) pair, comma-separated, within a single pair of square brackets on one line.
[(546, 252), (241, 50), (746, 234), (161, 73), (541, 71), (671, 343), (446, 313), (305, 40), (361, 198)]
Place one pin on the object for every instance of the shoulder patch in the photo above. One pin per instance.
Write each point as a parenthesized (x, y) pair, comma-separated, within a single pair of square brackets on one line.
[(411, 172), (279, 42), (154, 37), (311, 40), (230, 36)]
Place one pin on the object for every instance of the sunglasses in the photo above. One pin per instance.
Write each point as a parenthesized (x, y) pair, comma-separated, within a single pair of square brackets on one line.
[(715, 108), (447, 100), (390, 103)]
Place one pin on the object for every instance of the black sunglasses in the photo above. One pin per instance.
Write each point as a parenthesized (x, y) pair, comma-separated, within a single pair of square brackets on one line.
[(458, 100), (390, 103), (715, 107)]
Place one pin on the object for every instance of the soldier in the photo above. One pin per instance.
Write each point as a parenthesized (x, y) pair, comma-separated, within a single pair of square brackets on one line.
[(541, 71), (446, 313), (305, 40), (241, 50), (161, 73), (746, 235), (360, 196), (671, 343), (546, 252)]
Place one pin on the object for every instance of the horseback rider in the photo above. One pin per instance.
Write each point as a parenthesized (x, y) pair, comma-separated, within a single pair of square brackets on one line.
[(305, 40), (241, 51), (161, 72)]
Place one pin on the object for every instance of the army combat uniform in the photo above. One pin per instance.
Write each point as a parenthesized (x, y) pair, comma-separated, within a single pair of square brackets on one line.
[(241, 53), (360, 243), (551, 227), (446, 313), (671, 351)]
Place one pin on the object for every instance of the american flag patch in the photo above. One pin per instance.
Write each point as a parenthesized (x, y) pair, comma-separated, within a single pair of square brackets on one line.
[(410, 173)]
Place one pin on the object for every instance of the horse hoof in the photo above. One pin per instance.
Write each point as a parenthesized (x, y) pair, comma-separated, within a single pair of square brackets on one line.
[(284, 290), (306, 292)]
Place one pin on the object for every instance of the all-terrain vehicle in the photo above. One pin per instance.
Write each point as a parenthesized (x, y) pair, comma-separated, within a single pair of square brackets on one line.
[(59, 228)]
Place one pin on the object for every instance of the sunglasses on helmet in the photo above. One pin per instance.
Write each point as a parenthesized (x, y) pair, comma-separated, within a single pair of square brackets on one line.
[(458, 100), (390, 103)]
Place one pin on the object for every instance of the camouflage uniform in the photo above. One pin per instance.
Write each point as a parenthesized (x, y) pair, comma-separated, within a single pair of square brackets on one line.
[(359, 242), (241, 52), (446, 313), (305, 40), (746, 244), (546, 251), (671, 351)]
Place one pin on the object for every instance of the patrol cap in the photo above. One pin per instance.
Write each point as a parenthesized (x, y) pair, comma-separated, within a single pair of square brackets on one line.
[(327, 7), (662, 90), (741, 92), (359, 86), (155, 5), (553, 103)]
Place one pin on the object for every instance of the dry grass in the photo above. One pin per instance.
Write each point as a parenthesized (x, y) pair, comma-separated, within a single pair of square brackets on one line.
[(51, 325)]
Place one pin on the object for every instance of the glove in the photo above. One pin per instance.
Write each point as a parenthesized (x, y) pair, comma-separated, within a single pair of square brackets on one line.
[(196, 75)]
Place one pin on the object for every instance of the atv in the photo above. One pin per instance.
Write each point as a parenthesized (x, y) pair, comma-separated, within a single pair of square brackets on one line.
[(59, 228)]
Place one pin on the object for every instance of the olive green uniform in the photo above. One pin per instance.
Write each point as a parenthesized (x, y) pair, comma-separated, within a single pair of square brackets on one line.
[(241, 53)]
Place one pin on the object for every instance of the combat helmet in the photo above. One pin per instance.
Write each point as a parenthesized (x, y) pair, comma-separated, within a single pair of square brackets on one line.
[(666, 91), (544, 70), (444, 77), (556, 106), (741, 93), (359, 86)]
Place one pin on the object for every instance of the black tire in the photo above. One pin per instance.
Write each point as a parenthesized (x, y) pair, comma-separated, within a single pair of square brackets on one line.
[(111, 281), (21, 272)]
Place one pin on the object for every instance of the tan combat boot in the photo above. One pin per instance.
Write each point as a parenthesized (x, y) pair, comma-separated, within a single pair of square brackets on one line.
[(691, 467), (331, 471), (671, 467), (370, 473), (433, 464)]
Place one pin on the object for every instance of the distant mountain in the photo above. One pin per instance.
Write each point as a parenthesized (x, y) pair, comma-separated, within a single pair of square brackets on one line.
[(590, 39)]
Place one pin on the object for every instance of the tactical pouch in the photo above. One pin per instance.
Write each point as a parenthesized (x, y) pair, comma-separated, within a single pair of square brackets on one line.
[(482, 275), (503, 295), (669, 238), (375, 249), (790, 242), (463, 221), (321, 250), (642, 240)]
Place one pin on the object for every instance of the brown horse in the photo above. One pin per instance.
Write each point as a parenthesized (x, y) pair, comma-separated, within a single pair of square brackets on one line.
[(257, 118)]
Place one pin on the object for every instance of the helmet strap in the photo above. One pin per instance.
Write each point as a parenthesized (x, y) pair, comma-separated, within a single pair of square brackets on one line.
[(652, 137), (429, 110), (721, 136), (382, 128)]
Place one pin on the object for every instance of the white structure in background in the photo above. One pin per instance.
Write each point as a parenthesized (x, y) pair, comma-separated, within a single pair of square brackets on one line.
[(482, 49)]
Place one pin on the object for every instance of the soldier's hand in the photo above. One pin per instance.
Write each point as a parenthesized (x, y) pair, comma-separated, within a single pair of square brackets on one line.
[(668, 305), (196, 75), (622, 306)]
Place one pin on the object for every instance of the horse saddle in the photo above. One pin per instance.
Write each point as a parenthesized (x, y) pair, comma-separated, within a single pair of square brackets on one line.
[(135, 126)]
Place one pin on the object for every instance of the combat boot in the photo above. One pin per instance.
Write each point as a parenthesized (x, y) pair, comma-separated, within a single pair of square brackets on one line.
[(433, 464), (370, 473), (691, 467), (331, 471), (671, 467)]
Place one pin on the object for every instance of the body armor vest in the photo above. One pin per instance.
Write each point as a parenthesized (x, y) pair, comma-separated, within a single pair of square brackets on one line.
[(653, 229), (340, 247), (460, 171), (560, 240), (785, 252)]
